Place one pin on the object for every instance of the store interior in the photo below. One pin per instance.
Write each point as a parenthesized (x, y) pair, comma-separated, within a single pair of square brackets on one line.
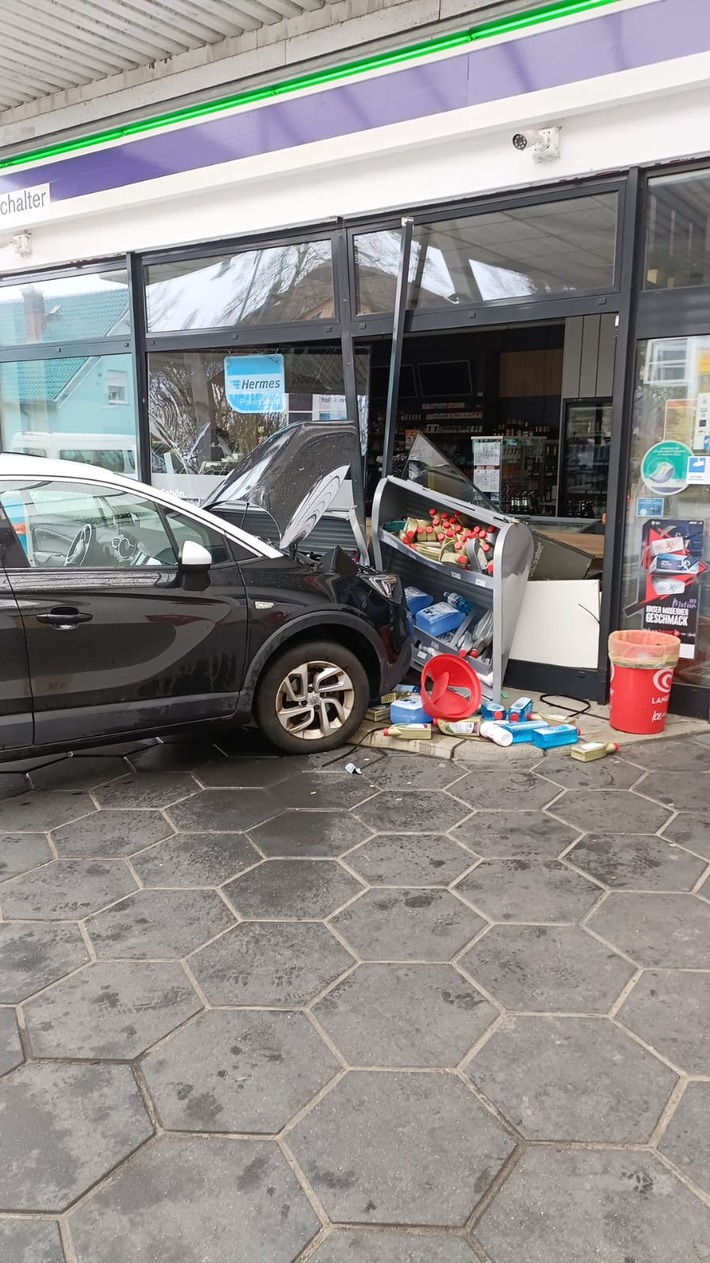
[(523, 411)]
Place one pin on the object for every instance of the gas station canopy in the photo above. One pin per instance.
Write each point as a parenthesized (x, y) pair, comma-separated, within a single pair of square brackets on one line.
[(51, 46)]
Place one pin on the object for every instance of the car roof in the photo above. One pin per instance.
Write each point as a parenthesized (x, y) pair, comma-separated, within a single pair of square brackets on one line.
[(20, 466)]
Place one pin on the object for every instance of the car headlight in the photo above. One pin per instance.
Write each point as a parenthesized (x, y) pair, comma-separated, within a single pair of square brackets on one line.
[(387, 585)]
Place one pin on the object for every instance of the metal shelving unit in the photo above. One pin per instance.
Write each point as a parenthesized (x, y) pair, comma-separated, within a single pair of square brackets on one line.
[(500, 593)]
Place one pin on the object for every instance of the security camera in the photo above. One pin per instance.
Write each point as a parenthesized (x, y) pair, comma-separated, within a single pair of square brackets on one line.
[(544, 143)]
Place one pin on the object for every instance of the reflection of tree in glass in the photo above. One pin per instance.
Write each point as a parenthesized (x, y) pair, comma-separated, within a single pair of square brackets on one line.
[(188, 410), (284, 283)]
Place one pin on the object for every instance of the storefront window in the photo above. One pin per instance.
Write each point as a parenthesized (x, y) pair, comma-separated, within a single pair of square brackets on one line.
[(678, 231), (558, 247), (71, 308), (278, 285), (667, 550), (209, 409), (76, 408)]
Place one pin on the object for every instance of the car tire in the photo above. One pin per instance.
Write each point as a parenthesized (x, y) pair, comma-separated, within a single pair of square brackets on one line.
[(312, 697)]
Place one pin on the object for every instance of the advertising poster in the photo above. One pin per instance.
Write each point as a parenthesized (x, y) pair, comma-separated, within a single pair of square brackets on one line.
[(664, 468), (679, 420), (669, 587), (701, 439), (255, 384)]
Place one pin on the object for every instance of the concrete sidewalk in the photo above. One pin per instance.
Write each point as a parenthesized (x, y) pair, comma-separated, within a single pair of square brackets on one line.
[(258, 1010)]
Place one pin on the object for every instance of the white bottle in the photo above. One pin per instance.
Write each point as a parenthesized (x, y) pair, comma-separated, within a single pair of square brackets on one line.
[(501, 736)]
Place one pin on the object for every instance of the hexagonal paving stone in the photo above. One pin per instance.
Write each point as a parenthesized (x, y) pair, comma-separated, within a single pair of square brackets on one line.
[(687, 1138), (30, 1241), (244, 773), (10, 1047), (391, 1247), (515, 835), (42, 810), (691, 830), (12, 784), (400, 859), (305, 889), (666, 930), (416, 924), (238, 1072), (636, 861), (609, 773), (21, 852), (404, 1015), (594, 1207), (413, 811), (309, 833), (528, 891), (583, 1080), (405, 771), (187, 1198), (547, 969), (158, 924), (111, 833), (685, 791), (395, 1148), (196, 859), (616, 811), (674, 754), (33, 956), (78, 772), (274, 964), (323, 789), (147, 789), (223, 810), (671, 1012), (507, 790), (65, 890), (62, 1127), (114, 1010)]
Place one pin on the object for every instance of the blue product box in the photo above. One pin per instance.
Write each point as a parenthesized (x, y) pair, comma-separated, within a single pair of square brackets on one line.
[(520, 710), (494, 711), (417, 600), (523, 731), (439, 618), (555, 735)]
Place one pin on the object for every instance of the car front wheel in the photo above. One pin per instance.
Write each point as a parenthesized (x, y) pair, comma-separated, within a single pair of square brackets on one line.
[(312, 697)]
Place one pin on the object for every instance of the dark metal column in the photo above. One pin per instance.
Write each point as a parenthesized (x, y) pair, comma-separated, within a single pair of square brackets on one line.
[(400, 315), (344, 314), (136, 309), (630, 229)]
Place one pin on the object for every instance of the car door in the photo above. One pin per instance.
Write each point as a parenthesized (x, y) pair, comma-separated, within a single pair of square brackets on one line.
[(16, 722), (116, 641)]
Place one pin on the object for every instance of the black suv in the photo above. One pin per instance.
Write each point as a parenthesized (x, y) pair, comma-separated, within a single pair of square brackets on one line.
[(125, 612)]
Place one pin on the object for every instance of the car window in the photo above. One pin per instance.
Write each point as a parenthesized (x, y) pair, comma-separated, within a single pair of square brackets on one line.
[(184, 527), (85, 525), (113, 460)]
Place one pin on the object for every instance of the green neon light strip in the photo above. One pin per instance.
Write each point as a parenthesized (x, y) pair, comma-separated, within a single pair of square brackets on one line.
[(501, 26)]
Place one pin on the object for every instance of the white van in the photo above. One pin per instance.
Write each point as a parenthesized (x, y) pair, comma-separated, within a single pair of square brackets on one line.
[(115, 452)]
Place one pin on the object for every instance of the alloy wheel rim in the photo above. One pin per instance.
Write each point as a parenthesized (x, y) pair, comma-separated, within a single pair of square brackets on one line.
[(315, 700)]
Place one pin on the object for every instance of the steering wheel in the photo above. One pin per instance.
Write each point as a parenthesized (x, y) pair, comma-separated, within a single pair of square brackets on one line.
[(80, 546)]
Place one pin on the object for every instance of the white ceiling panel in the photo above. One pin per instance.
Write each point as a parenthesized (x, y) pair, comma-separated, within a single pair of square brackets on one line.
[(48, 46)]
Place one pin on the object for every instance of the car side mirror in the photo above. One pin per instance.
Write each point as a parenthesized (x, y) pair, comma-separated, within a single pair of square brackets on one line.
[(195, 562)]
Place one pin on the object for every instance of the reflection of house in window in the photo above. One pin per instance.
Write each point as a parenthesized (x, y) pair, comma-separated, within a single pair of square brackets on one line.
[(667, 362), (116, 386), (69, 393)]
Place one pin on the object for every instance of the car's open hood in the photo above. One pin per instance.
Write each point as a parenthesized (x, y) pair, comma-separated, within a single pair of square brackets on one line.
[(294, 475)]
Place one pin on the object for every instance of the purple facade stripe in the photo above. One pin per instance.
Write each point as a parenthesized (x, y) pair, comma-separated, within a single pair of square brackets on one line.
[(604, 44)]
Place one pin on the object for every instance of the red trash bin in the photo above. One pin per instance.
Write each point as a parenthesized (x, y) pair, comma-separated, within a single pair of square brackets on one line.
[(642, 665)]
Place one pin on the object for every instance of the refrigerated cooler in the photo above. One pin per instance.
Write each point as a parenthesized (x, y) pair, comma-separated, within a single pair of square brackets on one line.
[(584, 467)]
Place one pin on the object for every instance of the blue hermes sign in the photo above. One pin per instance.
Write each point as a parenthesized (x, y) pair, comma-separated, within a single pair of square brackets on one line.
[(255, 383)]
